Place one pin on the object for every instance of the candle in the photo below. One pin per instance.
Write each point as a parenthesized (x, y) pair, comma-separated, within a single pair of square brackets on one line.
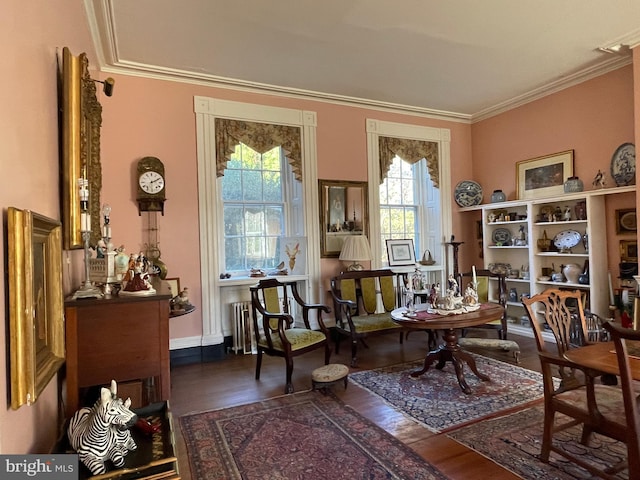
[(475, 280), (612, 300), (85, 222)]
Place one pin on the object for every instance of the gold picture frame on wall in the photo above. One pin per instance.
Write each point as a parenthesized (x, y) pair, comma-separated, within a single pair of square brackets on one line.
[(343, 212), (543, 176), (36, 304), (81, 122), (628, 250)]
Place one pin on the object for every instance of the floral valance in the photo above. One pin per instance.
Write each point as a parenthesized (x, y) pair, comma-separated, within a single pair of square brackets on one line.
[(261, 137), (411, 151)]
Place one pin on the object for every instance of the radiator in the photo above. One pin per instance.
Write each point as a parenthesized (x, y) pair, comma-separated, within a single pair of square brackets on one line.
[(244, 340)]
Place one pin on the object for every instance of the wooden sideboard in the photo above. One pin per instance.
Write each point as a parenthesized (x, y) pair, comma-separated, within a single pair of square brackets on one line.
[(122, 338)]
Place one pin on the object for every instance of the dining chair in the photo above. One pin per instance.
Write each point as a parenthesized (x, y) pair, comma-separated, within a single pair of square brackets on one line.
[(598, 408), (625, 349), (484, 279), (275, 330)]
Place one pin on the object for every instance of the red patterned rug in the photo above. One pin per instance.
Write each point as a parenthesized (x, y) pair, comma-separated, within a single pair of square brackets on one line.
[(436, 400), (514, 442), (301, 436)]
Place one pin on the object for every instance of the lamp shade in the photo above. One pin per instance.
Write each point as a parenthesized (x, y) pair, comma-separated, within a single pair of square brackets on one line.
[(355, 249)]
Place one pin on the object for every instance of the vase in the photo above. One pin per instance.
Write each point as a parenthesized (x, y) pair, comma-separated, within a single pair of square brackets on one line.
[(498, 196), (572, 272), (573, 184)]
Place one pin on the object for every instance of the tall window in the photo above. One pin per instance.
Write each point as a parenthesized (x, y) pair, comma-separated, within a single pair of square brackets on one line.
[(409, 207), (254, 189)]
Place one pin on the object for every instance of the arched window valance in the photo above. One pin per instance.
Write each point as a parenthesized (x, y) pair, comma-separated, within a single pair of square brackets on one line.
[(261, 137), (411, 151)]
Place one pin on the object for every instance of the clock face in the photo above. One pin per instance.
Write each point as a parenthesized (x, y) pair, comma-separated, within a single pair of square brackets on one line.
[(151, 182)]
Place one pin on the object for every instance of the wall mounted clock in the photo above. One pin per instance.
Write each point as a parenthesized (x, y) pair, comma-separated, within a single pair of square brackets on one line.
[(150, 185)]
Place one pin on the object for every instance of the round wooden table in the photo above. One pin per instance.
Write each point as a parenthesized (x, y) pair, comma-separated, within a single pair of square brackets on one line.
[(449, 350)]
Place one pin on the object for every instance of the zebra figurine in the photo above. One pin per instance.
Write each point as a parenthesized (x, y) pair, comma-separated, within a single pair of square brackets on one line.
[(102, 432)]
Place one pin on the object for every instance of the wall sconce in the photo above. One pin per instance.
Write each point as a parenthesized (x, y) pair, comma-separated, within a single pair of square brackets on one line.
[(355, 249), (107, 87)]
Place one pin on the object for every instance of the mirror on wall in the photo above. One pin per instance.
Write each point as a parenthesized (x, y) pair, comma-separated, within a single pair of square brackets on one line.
[(81, 121), (343, 212)]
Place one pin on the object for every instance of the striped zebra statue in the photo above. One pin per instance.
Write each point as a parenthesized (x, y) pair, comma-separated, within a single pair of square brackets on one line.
[(102, 432)]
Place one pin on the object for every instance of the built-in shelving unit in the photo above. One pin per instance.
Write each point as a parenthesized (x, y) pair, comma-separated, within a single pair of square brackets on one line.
[(511, 231)]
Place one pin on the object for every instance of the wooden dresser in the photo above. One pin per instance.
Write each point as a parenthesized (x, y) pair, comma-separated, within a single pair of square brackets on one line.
[(122, 338)]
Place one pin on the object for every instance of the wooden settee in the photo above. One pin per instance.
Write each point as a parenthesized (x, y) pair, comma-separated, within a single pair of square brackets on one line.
[(363, 301)]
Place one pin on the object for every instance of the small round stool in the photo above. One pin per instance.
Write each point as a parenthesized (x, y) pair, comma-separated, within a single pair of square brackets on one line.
[(328, 375)]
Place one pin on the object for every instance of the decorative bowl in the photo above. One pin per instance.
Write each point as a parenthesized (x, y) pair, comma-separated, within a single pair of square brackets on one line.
[(468, 193)]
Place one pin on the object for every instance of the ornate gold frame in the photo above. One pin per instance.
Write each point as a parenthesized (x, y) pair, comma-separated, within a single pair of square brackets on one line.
[(81, 122), (35, 303), (355, 205)]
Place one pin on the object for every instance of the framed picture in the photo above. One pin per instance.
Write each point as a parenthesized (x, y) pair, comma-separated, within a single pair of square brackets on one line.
[(628, 250), (401, 252), (293, 253), (36, 303), (174, 286), (626, 221), (543, 176)]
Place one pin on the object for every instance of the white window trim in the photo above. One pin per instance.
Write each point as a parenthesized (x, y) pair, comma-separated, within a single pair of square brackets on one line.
[(210, 202), (442, 136)]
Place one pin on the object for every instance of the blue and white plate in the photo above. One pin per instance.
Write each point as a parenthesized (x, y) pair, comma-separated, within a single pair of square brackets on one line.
[(468, 193), (623, 165)]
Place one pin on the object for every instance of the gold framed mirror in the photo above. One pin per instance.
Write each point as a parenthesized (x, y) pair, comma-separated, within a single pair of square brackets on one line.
[(343, 212), (81, 122)]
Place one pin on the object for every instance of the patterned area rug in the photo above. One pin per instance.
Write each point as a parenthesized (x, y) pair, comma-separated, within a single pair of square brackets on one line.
[(436, 400), (301, 436), (514, 442)]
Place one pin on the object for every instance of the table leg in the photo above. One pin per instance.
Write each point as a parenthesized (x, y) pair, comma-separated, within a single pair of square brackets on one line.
[(450, 351)]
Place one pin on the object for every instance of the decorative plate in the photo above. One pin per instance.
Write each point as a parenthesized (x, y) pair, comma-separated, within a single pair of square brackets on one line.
[(628, 221), (501, 236), (468, 193), (623, 165), (567, 239)]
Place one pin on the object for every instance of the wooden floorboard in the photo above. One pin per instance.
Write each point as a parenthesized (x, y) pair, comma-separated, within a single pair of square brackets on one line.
[(229, 382)]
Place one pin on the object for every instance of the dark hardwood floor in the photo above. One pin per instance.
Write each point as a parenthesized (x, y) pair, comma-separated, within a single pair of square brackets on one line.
[(231, 382)]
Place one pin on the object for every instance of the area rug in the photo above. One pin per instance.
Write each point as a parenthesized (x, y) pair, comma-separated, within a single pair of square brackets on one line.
[(435, 399), (514, 442), (301, 436)]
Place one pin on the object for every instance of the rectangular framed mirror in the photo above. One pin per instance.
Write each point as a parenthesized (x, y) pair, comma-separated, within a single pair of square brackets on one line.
[(81, 121), (343, 212)]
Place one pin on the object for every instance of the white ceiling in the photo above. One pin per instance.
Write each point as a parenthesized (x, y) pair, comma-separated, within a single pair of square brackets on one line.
[(466, 59)]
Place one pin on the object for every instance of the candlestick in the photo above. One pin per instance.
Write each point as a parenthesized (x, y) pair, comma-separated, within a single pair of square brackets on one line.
[(475, 280)]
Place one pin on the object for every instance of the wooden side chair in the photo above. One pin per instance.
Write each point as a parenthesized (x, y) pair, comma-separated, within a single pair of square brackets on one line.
[(275, 331), (598, 408), (621, 338)]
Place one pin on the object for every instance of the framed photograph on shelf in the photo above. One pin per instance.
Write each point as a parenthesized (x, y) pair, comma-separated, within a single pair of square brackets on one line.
[(543, 176), (626, 221), (36, 303), (628, 250), (401, 252), (174, 286)]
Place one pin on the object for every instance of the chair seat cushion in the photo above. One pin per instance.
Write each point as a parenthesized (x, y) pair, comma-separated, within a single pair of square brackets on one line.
[(297, 337), (372, 323)]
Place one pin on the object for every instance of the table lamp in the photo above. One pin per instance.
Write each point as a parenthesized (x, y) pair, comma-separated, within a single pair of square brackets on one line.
[(355, 249)]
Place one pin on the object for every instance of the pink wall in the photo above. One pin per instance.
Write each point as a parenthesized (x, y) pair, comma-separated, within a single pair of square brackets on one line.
[(153, 117), (592, 118), (34, 33)]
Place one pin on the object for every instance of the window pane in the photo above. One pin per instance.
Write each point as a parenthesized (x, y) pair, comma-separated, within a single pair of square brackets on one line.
[(275, 220), (252, 186), (234, 253), (233, 224), (232, 185), (272, 187)]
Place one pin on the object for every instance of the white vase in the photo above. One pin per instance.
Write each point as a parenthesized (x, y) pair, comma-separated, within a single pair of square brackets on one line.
[(572, 272)]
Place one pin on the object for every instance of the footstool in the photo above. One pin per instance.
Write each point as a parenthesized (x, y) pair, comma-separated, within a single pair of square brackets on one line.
[(504, 345), (328, 375)]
